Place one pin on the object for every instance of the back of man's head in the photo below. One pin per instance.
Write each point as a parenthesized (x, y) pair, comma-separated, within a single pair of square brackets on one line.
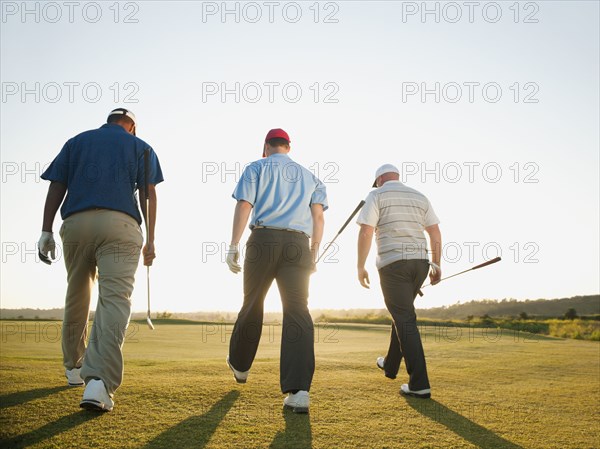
[(124, 118), (121, 115), (278, 142)]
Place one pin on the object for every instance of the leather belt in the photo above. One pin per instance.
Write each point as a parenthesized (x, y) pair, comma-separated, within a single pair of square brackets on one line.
[(280, 229)]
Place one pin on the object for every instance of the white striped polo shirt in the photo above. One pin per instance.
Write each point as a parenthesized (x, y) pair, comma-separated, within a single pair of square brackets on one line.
[(399, 215)]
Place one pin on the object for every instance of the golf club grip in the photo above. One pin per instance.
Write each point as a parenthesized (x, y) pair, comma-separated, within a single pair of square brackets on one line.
[(359, 207), (489, 262)]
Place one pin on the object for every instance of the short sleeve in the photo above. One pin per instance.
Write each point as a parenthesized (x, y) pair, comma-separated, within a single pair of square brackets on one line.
[(369, 214), (155, 176), (430, 216), (58, 170), (247, 187), (319, 196)]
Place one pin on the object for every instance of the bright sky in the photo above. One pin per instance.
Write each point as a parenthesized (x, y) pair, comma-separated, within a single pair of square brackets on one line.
[(491, 110)]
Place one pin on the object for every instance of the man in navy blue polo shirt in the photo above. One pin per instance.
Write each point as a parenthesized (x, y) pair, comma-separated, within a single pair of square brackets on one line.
[(99, 172), (287, 203)]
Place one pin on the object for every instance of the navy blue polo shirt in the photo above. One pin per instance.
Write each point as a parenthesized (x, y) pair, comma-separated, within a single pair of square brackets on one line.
[(103, 168)]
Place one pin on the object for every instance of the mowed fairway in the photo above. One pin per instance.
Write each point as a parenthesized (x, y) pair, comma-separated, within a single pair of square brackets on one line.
[(494, 390)]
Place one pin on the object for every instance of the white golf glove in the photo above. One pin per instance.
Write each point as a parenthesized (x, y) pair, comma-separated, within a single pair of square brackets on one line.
[(46, 244), (233, 256), (434, 267)]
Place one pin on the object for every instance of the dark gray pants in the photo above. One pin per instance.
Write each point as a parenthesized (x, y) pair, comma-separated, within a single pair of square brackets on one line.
[(284, 256), (400, 282)]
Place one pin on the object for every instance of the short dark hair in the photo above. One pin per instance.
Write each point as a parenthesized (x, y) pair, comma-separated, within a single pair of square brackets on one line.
[(278, 142)]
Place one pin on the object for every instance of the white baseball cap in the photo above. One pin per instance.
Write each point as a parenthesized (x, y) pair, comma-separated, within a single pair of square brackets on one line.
[(385, 168), (123, 111)]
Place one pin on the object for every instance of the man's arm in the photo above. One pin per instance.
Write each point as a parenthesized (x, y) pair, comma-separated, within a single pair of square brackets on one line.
[(150, 217), (435, 238), (365, 238), (240, 220), (55, 197), (317, 232)]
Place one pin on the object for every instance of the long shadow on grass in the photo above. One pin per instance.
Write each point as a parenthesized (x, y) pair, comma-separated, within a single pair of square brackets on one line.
[(297, 433), (21, 397), (463, 427), (195, 432), (49, 430)]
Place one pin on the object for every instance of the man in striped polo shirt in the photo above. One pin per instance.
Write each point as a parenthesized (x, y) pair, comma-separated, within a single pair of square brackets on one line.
[(398, 215)]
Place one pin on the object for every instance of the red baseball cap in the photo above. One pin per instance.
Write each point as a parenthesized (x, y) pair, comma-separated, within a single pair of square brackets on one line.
[(277, 133)]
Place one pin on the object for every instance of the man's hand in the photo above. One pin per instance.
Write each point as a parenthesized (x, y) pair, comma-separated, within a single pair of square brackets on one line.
[(436, 274), (149, 254), (46, 244), (233, 256), (314, 254), (363, 277)]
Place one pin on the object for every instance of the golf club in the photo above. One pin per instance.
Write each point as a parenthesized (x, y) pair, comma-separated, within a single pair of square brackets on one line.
[(360, 205), (484, 264), (146, 216)]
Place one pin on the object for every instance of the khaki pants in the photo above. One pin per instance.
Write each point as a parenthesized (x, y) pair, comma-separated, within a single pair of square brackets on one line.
[(109, 242)]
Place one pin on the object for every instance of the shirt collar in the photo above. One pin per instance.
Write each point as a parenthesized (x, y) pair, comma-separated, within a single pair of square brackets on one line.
[(392, 182), (112, 126)]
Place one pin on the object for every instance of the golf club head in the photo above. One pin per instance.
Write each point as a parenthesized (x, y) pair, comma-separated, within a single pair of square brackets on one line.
[(149, 321)]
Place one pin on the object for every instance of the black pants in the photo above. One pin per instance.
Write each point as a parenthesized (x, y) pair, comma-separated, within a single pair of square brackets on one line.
[(400, 282), (284, 256)]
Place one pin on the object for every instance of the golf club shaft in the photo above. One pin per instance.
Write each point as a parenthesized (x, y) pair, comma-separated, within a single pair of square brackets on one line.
[(146, 219), (148, 287), (359, 207), (484, 264), (327, 248)]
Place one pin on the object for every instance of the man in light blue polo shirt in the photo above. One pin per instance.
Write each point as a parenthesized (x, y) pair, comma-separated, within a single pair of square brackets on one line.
[(287, 203), (99, 171)]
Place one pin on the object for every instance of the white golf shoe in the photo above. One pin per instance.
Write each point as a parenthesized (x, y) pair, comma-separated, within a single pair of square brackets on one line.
[(74, 377), (381, 366), (298, 402), (96, 398), (240, 376), (423, 394)]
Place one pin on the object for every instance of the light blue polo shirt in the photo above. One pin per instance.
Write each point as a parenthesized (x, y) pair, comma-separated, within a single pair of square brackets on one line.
[(282, 192), (103, 168)]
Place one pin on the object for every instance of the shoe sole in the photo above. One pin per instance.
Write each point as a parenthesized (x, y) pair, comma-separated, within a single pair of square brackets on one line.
[(301, 410), (415, 395), (94, 406), (76, 385)]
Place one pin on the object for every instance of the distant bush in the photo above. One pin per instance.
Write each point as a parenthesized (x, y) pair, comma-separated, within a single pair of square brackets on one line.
[(577, 329), (486, 320), (570, 314)]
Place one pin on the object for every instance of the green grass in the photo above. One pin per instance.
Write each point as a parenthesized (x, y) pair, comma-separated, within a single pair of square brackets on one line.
[(490, 389)]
